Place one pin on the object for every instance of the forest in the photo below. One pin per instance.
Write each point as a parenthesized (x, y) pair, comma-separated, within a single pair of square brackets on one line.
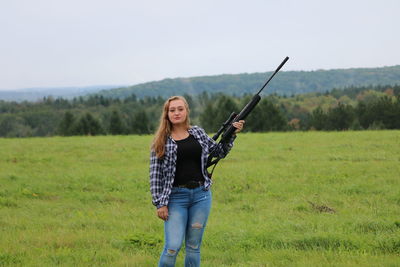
[(351, 108)]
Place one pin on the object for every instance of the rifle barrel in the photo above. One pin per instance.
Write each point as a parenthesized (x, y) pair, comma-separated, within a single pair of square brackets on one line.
[(275, 72)]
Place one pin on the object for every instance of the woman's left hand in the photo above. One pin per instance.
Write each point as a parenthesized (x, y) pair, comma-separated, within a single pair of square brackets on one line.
[(238, 125)]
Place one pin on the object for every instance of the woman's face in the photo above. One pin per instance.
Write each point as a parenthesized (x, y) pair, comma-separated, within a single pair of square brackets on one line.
[(177, 112)]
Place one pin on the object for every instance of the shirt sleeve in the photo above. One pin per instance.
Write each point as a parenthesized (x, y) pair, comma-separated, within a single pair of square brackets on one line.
[(219, 150), (156, 180)]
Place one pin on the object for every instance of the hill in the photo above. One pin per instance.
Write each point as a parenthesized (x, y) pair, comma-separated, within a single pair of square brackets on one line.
[(285, 83)]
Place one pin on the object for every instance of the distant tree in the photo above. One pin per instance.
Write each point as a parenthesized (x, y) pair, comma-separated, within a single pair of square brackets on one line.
[(67, 124), (397, 112), (88, 125), (363, 114), (318, 119), (216, 112), (131, 98), (386, 110), (203, 98), (189, 99), (61, 103), (207, 118), (266, 117), (383, 113), (116, 123), (224, 106), (14, 126), (356, 126), (140, 123), (340, 118)]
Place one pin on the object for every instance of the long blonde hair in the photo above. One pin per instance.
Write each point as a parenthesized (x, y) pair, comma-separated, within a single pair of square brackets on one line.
[(165, 126)]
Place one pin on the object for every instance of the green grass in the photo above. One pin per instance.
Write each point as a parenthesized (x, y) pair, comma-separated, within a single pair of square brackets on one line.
[(279, 199)]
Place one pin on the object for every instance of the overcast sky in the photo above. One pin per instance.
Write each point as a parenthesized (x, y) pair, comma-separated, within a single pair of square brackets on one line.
[(56, 43)]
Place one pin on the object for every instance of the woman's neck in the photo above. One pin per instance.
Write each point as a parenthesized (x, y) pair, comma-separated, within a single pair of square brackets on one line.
[(179, 132)]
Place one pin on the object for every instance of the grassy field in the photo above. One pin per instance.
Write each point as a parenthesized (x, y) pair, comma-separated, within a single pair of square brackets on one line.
[(279, 199)]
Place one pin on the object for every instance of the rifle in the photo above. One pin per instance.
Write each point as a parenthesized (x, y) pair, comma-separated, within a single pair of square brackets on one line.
[(227, 129)]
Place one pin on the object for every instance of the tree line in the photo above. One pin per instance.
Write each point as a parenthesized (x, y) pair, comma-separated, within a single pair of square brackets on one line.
[(355, 108)]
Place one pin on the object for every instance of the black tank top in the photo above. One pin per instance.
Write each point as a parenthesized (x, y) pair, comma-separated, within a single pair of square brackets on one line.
[(188, 162)]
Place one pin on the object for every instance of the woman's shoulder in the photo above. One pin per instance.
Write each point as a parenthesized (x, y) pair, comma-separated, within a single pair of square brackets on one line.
[(198, 132), (197, 129)]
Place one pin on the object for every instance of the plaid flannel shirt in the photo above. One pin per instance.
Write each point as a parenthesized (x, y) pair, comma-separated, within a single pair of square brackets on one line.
[(162, 170)]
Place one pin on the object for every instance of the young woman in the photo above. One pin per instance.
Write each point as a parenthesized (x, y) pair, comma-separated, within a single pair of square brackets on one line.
[(179, 182)]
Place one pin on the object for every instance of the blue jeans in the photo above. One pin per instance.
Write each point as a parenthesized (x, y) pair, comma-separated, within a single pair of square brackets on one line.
[(188, 211)]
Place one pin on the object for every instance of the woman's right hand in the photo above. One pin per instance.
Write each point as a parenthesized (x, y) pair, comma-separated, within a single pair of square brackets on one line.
[(162, 213)]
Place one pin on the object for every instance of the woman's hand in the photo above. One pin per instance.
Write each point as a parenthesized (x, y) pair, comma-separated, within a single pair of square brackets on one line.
[(162, 213), (238, 125)]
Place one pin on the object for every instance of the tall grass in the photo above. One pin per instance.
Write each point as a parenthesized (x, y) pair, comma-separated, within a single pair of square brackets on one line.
[(279, 199)]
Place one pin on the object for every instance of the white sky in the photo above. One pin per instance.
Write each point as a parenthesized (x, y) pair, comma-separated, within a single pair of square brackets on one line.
[(55, 43)]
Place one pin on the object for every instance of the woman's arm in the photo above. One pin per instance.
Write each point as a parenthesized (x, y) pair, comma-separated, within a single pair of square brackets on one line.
[(157, 186), (219, 150), (156, 181)]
